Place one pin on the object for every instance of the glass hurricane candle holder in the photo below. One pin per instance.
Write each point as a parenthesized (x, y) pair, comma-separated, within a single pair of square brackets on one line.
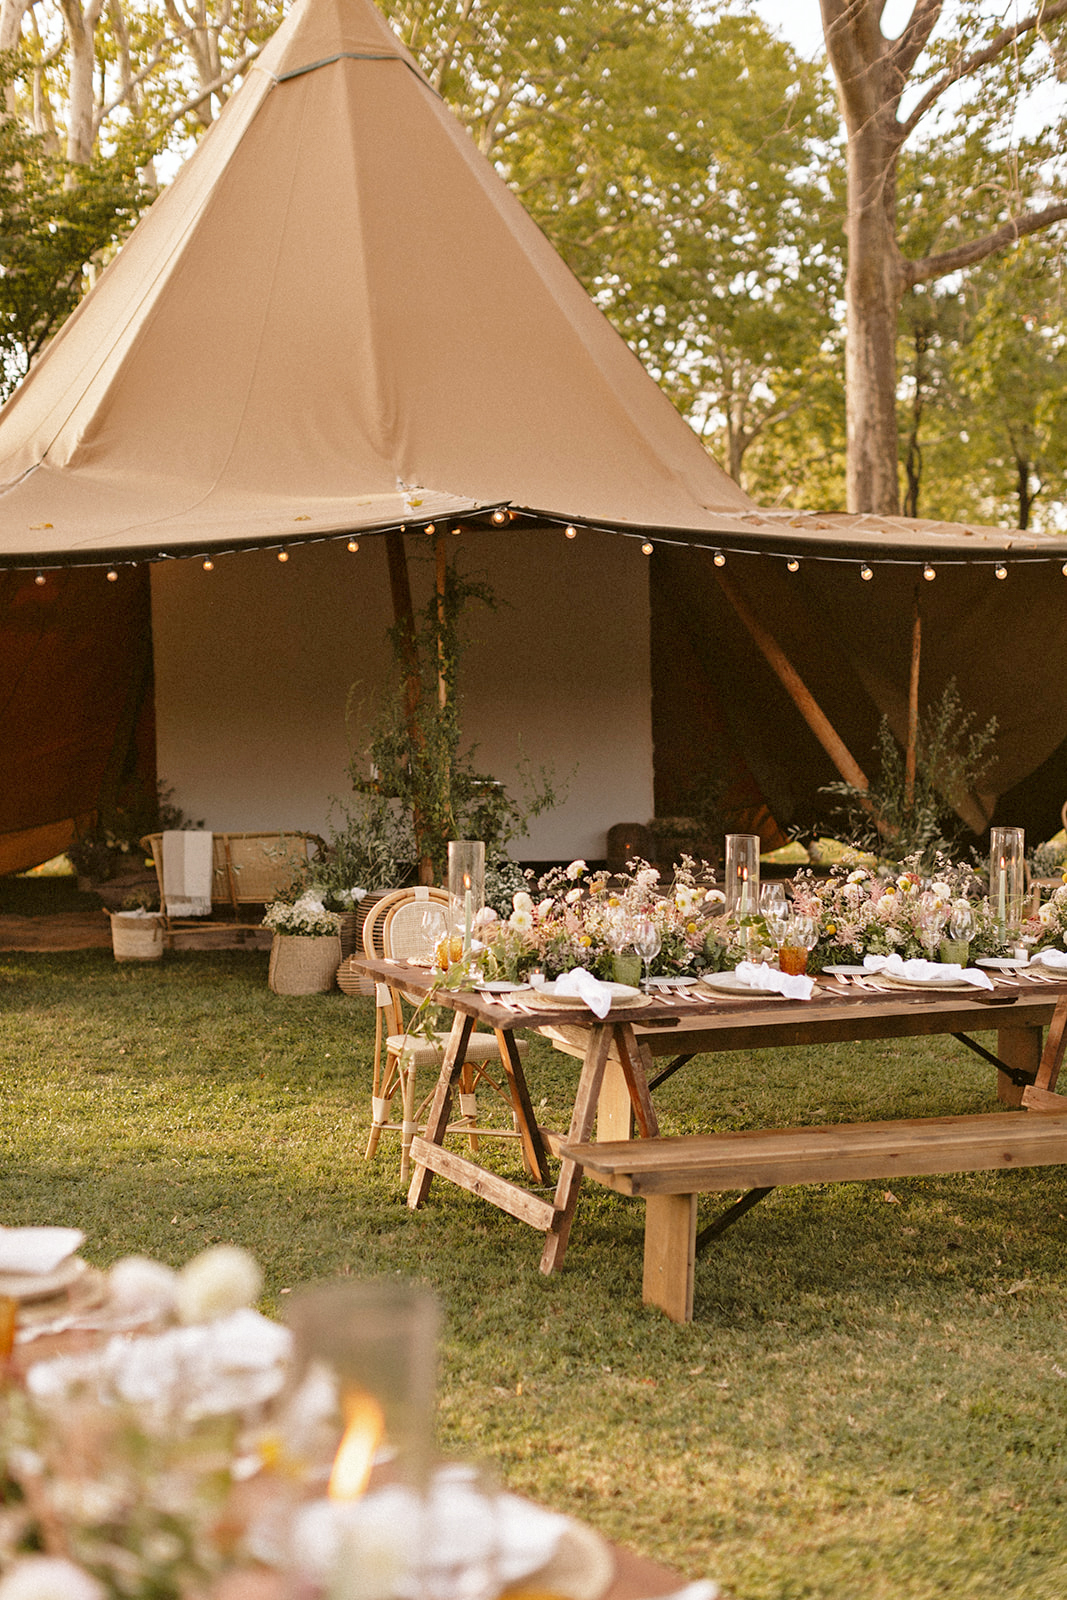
[(1006, 877), (373, 1344), (466, 886), (742, 875)]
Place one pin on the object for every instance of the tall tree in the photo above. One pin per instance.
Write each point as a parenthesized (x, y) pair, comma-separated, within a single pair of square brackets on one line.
[(889, 90)]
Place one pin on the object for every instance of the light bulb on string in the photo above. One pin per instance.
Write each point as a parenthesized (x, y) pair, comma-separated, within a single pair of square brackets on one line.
[(1063, 569), (208, 564), (39, 579), (500, 517), (1001, 570), (928, 573), (719, 559), (283, 555), (112, 576), (570, 532), (647, 547), (430, 528), (353, 545), (793, 565), (866, 574)]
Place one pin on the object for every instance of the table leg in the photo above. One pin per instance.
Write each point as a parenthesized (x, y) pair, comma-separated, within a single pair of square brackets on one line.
[(624, 1095), (533, 1150), (582, 1119), (437, 1122), (1019, 1048)]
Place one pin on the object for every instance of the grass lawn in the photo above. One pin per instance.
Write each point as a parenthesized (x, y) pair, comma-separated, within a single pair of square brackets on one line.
[(870, 1402)]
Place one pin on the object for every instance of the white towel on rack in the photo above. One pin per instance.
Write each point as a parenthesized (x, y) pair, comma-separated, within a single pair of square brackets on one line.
[(187, 869)]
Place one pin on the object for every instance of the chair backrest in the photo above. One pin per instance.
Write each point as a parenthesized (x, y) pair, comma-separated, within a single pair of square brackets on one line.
[(394, 930)]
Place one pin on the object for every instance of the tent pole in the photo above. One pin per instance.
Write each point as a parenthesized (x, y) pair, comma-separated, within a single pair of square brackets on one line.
[(441, 557), (404, 617), (913, 706), (795, 688)]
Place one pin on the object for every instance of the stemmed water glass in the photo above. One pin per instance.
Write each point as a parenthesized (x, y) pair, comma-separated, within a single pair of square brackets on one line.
[(647, 942), (434, 928)]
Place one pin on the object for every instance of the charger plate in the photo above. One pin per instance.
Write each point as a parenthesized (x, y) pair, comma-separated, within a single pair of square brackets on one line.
[(542, 1001)]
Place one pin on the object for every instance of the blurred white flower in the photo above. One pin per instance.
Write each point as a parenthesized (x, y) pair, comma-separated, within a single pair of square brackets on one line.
[(522, 920), (48, 1578), (216, 1282), (486, 917), (523, 902), (576, 869), (139, 1287), (544, 908), (573, 896), (941, 890)]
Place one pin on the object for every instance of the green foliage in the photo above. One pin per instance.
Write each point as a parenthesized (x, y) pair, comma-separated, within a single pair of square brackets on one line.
[(951, 755), (54, 221)]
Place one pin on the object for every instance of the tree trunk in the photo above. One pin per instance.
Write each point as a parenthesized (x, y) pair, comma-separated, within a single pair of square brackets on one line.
[(81, 106), (874, 290)]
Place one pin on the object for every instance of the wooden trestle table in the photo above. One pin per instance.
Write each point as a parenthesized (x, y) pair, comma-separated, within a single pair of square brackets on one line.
[(619, 1073)]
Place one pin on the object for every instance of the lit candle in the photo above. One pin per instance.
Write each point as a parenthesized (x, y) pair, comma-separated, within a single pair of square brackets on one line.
[(744, 893), (466, 914), (364, 1427), (1002, 893)]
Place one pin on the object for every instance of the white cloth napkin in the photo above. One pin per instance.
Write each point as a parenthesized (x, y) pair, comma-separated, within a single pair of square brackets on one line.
[(758, 975), (580, 982), (37, 1250), (187, 869), (1055, 959), (919, 971)]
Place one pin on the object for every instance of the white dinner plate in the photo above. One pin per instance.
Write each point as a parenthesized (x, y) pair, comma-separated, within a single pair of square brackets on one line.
[(848, 972), (42, 1285), (1001, 963), (500, 986), (672, 983), (616, 991), (730, 983)]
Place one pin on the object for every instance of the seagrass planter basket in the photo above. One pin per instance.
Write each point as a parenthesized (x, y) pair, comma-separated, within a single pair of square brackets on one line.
[(136, 938), (303, 963)]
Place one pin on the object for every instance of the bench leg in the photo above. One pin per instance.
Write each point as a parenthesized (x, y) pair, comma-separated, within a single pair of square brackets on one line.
[(670, 1254), (1019, 1048)]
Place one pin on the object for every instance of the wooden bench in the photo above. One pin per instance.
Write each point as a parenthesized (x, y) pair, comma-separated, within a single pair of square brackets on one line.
[(669, 1174), (248, 869)]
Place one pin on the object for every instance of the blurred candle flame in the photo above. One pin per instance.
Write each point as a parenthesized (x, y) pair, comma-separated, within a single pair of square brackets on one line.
[(364, 1427)]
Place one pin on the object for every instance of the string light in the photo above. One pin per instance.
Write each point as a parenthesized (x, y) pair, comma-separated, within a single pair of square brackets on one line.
[(283, 555), (353, 545), (112, 576), (500, 517), (570, 532), (1001, 570), (209, 565), (646, 548), (719, 559), (928, 573), (1063, 569), (866, 574), (431, 527), (793, 564), (39, 579)]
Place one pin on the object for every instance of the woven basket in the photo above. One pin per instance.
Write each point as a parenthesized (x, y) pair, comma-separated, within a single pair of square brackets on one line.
[(302, 963), (354, 983), (136, 938)]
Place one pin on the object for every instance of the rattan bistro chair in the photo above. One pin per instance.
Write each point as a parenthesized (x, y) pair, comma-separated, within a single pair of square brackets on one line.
[(394, 931)]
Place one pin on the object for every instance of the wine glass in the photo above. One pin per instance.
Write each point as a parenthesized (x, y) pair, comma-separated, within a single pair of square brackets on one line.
[(931, 925), (647, 942), (433, 929), (772, 900)]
